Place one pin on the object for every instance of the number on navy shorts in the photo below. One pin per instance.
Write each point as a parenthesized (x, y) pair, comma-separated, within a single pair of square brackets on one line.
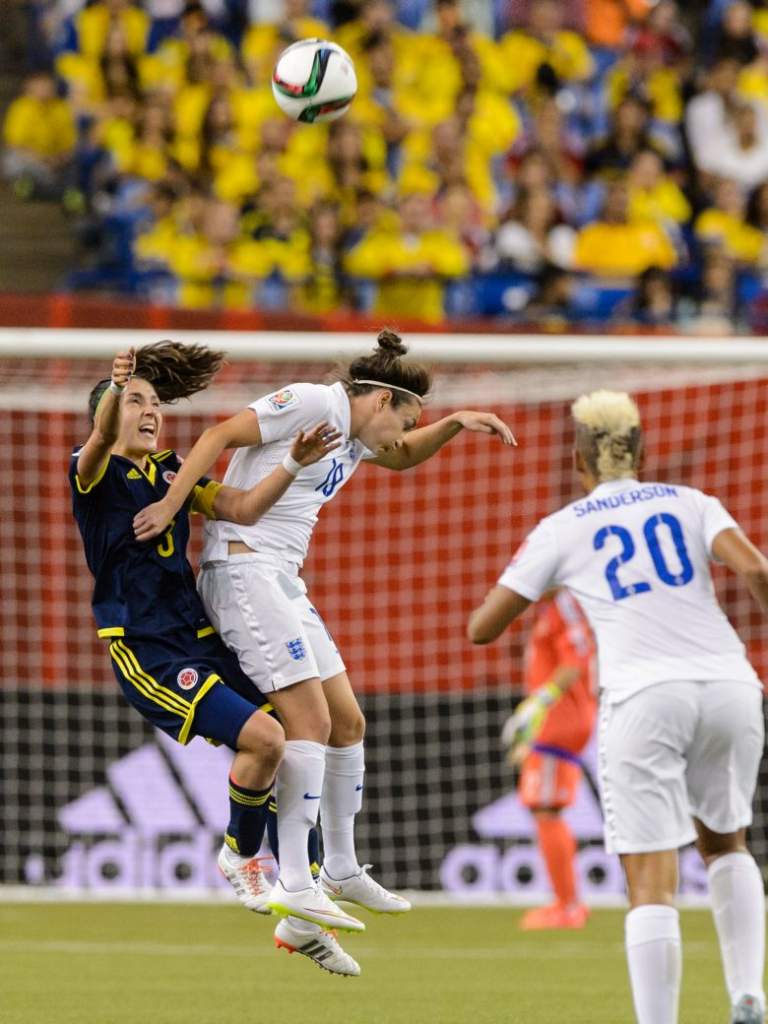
[(650, 532)]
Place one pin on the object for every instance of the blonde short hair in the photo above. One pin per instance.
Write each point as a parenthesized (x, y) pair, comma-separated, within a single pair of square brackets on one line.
[(608, 433)]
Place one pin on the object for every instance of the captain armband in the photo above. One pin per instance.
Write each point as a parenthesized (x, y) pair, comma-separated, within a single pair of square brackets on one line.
[(204, 498)]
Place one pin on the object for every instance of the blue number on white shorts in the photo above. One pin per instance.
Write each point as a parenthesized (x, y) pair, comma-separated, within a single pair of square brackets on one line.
[(650, 532)]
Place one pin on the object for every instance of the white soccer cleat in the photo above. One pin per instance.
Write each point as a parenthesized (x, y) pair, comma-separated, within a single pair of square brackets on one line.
[(247, 878), (312, 904), (364, 891), (321, 946), (748, 1010)]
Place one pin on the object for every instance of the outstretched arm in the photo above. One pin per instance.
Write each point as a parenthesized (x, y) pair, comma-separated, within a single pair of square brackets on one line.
[(106, 422), (236, 432), (419, 445), (246, 507), (523, 726), (500, 607), (736, 550)]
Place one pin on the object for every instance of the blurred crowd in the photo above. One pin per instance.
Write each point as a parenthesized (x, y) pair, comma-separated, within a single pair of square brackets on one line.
[(545, 161)]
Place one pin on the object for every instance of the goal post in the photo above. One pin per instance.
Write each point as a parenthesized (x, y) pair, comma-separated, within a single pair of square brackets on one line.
[(93, 800)]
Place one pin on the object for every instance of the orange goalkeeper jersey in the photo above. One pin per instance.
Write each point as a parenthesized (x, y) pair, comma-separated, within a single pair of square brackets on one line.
[(561, 636)]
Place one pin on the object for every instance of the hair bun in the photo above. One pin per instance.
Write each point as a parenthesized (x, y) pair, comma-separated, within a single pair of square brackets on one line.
[(391, 343)]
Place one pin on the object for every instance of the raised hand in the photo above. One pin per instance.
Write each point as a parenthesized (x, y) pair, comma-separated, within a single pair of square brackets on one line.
[(312, 445), (485, 423), (521, 729), (122, 367), (151, 521)]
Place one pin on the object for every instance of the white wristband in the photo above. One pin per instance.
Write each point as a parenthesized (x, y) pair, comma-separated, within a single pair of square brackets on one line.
[(116, 389), (290, 465)]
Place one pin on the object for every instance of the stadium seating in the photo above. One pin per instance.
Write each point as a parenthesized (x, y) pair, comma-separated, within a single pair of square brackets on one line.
[(488, 153)]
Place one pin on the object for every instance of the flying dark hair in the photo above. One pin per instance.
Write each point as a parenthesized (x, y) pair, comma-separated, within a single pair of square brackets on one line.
[(387, 368), (174, 370)]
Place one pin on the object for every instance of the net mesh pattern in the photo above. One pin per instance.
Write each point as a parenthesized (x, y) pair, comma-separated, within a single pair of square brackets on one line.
[(397, 562)]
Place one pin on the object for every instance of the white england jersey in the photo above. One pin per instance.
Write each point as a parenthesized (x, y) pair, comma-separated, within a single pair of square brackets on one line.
[(286, 528), (636, 557)]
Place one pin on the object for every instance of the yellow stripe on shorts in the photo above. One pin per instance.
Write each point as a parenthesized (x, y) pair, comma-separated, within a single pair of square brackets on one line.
[(145, 683)]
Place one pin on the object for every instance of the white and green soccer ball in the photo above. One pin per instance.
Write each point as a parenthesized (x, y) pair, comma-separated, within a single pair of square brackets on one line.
[(314, 80)]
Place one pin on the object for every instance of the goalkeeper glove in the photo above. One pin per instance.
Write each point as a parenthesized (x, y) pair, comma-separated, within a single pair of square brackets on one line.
[(521, 729)]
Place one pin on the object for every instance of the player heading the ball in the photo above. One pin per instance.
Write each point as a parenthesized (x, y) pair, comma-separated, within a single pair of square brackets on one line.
[(681, 721), (252, 590)]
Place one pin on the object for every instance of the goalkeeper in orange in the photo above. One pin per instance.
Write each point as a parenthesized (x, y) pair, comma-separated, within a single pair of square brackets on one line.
[(545, 735)]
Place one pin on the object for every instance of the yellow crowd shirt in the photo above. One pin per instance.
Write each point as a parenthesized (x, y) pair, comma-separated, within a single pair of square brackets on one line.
[(92, 25), (523, 54), (46, 129), (665, 201), (740, 240), (388, 257), (622, 250)]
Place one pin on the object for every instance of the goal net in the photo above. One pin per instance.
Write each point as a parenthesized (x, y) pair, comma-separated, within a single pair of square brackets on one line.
[(93, 799)]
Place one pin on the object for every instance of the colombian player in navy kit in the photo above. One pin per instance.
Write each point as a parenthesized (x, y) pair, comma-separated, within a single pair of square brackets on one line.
[(171, 665)]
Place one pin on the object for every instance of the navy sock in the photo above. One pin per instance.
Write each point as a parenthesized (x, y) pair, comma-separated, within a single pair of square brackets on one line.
[(272, 830), (313, 843), (247, 818), (314, 852)]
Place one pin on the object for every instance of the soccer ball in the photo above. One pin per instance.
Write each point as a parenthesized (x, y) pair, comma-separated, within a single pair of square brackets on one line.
[(314, 80)]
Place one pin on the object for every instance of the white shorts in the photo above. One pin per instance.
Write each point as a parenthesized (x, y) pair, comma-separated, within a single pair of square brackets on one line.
[(676, 751), (259, 607)]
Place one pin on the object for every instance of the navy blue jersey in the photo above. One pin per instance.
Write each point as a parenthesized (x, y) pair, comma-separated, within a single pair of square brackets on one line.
[(141, 589)]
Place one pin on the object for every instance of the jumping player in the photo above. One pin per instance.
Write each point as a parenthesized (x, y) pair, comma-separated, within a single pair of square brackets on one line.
[(169, 662), (681, 724), (547, 732), (254, 595)]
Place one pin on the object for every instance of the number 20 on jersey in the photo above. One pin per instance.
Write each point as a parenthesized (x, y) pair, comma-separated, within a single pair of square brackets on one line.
[(677, 576)]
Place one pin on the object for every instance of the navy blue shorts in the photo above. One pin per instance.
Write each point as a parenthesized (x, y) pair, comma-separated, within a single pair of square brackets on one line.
[(186, 686)]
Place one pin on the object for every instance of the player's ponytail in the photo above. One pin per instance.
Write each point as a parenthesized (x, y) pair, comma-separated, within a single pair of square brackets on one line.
[(385, 367), (177, 371), (174, 370), (608, 434)]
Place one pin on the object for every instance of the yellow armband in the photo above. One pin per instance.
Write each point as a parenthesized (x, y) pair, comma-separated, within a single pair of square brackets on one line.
[(203, 498)]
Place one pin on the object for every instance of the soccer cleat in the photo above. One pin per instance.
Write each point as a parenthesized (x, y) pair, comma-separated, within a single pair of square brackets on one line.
[(311, 904), (555, 916), (321, 946), (247, 878), (364, 891), (748, 1010)]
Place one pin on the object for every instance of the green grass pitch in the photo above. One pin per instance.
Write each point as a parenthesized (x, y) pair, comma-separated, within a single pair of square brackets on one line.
[(80, 963)]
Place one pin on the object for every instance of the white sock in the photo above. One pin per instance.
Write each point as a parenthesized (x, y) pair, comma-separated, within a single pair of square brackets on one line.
[(652, 937), (738, 905), (297, 791), (342, 800)]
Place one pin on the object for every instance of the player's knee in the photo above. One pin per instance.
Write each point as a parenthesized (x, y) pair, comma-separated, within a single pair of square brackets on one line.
[(322, 729), (347, 729), (309, 724), (263, 738), (712, 845)]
